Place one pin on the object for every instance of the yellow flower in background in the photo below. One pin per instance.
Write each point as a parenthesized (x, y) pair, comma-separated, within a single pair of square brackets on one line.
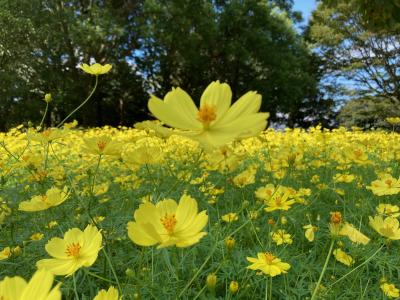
[(96, 69), (353, 234), (386, 185), (309, 232), (5, 253), (46, 136), (168, 223), (343, 257), (77, 249), (111, 294), (388, 227), (246, 177), (393, 120), (390, 290), (38, 288), (233, 287), (47, 98), (53, 197), (216, 122), (230, 217), (268, 263), (280, 237), (102, 145), (37, 236), (388, 210)]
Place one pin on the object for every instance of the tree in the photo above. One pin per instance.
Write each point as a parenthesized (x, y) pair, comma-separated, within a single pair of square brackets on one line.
[(361, 62)]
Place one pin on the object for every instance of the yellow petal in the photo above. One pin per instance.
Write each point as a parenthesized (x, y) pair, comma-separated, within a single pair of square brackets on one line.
[(218, 95)]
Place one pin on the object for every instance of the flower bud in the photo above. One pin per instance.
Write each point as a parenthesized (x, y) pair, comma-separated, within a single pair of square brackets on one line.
[(230, 243), (47, 97), (233, 287), (211, 281)]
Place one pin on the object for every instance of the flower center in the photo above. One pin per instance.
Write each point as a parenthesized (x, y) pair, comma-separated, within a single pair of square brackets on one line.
[(44, 199), (169, 222), (336, 217), (73, 249), (269, 257), (101, 145), (278, 201), (207, 114), (46, 133), (389, 182)]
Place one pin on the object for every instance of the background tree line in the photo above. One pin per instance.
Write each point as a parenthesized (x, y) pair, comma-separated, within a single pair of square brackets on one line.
[(154, 45)]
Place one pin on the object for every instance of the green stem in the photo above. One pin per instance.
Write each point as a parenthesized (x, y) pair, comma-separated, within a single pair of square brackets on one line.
[(266, 288), (99, 277), (82, 104), (75, 291), (44, 115), (323, 270), (112, 270), (270, 288)]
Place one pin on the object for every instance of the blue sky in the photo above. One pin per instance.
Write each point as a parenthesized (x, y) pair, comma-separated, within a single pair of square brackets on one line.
[(306, 7)]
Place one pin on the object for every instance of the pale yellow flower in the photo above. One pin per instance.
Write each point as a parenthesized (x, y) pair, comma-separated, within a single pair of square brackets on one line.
[(53, 197), (230, 217), (353, 234), (5, 253), (386, 185), (343, 257), (38, 288), (388, 227), (281, 237), (168, 223), (390, 290), (102, 145), (309, 232), (268, 263), (216, 122), (111, 294), (77, 249), (96, 69)]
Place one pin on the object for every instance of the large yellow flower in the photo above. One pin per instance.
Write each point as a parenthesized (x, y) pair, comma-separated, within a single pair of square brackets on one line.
[(388, 227), (77, 249), (216, 122), (53, 197), (38, 288), (111, 294), (168, 223), (268, 263)]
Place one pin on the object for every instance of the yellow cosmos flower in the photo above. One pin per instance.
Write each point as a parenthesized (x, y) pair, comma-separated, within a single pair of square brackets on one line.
[(393, 120), (246, 177), (268, 263), (111, 294), (390, 290), (96, 69), (230, 217), (280, 237), (343, 257), (53, 197), (216, 122), (309, 232), (353, 234), (5, 253), (38, 288), (388, 227), (168, 223), (388, 210), (37, 236), (77, 249), (102, 145), (386, 185), (46, 136)]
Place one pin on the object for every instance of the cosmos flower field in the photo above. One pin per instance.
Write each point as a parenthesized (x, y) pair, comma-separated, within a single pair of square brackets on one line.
[(281, 215)]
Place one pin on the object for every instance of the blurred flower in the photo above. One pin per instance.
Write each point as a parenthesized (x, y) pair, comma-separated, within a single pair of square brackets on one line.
[(38, 288), (393, 120), (281, 237), (233, 287), (388, 227), (268, 264), (388, 210), (102, 145), (5, 253), (216, 122), (230, 217), (390, 290), (47, 98), (309, 233), (230, 243), (168, 223), (96, 69), (111, 294), (211, 281), (53, 197), (77, 249), (386, 185), (37, 236), (342, 257)]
